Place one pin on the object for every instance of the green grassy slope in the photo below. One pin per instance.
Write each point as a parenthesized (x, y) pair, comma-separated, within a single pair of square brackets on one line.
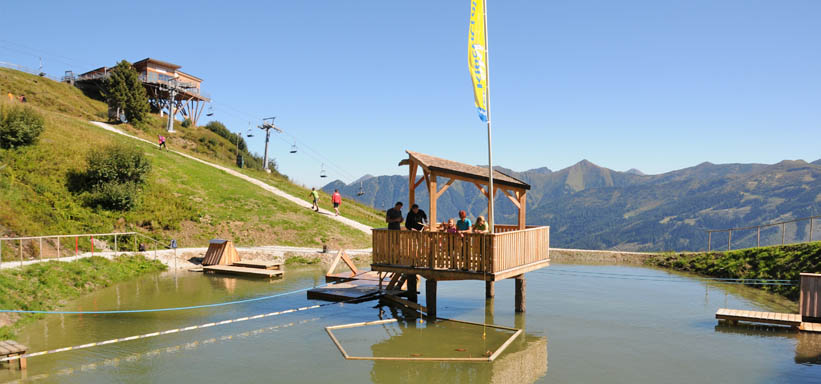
[(183, 199), (776, 262)]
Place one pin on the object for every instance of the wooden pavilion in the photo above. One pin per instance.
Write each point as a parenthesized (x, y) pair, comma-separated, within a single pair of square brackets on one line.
[(511, 251)]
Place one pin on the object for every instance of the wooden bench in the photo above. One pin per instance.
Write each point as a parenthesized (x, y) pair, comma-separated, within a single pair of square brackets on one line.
[(11, 348), (259, 264), (736, 315)]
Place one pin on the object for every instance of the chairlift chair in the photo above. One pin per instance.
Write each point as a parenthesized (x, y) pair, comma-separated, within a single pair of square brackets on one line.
[(322, 172), (210, 110), (361, 190), (293, 148)]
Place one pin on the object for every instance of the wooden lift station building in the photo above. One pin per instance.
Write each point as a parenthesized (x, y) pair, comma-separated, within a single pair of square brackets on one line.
[(509, 252), (162, 80)]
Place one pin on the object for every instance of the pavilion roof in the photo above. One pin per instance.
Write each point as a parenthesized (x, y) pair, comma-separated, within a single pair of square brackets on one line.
[(445, 167)]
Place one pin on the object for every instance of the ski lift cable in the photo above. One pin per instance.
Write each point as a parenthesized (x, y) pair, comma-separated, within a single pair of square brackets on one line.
[(327, 160)]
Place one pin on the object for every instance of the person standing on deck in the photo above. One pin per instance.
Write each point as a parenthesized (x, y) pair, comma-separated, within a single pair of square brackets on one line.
[(464, 224), (315, 195), (394, 217), (416, 219), (336, 198)]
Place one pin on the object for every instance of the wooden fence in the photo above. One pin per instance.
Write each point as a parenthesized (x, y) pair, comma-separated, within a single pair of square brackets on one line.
[(469, 252)]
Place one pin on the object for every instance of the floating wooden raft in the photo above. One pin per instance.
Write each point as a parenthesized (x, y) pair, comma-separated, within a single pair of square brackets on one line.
[(235, 270), (10, 348), (356, 285)]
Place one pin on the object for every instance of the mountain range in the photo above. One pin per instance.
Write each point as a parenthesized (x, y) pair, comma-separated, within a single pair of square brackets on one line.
[(593, 207)]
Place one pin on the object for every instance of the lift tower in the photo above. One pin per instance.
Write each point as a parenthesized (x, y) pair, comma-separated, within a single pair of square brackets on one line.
[(267, 126)]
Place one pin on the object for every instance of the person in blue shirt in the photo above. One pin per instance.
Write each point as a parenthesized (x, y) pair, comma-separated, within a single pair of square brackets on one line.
[(464, 224)]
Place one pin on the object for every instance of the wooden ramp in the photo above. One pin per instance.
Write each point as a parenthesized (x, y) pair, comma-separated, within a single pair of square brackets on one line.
[(736, 315), (235, 270), (220, 252)]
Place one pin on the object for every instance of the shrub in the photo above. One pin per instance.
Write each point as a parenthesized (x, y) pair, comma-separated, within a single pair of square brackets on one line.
[(19, 126), (115, 196), (186, 123), (118, 164)]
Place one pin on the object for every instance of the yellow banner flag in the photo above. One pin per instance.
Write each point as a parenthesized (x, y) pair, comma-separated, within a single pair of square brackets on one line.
[(477, 56)]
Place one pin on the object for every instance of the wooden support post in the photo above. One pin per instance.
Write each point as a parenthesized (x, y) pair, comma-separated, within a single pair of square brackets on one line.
[(522, 209), (490, 289), (489, 319), (520, 293), (412, 183), (430, 297), (412, 288), (432, 195), (23, 364)]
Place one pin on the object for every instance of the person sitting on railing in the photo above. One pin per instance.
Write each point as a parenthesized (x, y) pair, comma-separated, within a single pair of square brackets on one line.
[(480, 226), (416, 219), (464, 224)]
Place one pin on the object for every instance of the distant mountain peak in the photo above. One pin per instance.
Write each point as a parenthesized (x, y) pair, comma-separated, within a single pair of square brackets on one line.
[(634, 171), (817, 162)]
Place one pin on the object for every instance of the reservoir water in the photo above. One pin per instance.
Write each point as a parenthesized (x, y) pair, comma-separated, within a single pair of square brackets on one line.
[(584, 323)]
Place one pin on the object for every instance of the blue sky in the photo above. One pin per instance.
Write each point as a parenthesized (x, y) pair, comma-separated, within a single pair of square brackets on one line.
[(655, 85)]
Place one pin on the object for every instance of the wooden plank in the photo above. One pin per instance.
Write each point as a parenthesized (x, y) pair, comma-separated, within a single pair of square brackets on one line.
[(407, 303), (258, 264), (241, 270), (758, 317), (11, 346), (4, 351)]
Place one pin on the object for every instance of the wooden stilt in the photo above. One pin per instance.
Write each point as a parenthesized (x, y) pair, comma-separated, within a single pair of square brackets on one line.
[(430, 297), (490, 289), (520, 293), (412, 288), (489, 312)]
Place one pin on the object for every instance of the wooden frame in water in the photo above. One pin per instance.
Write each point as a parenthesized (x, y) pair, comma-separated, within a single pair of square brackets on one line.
[(486, 359)]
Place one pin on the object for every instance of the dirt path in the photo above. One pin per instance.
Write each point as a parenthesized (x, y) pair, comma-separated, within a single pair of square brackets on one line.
[(261, 184)]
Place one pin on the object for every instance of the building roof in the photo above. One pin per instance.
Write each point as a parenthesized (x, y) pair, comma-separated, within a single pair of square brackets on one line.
[(160, 62), (189, 75), (445, 167)]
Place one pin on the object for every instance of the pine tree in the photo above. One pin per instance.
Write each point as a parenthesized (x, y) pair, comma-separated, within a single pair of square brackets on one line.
[(124, 91)]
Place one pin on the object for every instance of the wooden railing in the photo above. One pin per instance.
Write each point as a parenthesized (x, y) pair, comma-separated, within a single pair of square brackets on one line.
[(469, 252)]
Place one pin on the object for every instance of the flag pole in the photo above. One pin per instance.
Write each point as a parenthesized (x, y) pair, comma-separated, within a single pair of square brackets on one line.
[(491, 216)]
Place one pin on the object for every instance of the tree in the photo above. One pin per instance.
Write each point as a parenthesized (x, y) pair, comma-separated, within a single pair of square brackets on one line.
[(124, 92)]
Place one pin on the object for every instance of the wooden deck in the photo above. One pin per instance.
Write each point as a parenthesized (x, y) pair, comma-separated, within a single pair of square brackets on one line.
[(9, 348), (352, 291), (259, 264), (736, 315), (245, 271), (469, 256)]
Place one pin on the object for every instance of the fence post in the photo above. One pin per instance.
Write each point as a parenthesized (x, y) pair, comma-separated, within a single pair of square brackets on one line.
[(729, 239), (76, 245), (58, 247), (758, 236), (92, 246), (709, 240), (783, 228)]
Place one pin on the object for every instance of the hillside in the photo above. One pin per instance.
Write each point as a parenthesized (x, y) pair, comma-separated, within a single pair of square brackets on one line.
[(593, 207), (183, 199)]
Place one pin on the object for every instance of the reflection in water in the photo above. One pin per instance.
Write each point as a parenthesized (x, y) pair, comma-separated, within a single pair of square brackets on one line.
[(524, 360), (807, 346)]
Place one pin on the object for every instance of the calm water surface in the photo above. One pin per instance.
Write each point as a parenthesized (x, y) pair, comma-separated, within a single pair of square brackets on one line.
[(584, 323)]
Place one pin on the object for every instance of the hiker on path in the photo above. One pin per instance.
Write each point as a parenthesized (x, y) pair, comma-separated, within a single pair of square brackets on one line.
[(416, 219), (336, 198), (161, 142), (394, 216), (315, 195)]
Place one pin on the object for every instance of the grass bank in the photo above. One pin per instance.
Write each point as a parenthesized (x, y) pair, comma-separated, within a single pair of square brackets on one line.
[(183, 199), (776, 262), (46, 286)]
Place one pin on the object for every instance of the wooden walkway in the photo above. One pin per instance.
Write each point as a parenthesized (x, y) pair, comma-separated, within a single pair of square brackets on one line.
[(354, 291), (259, 264), (791, 319), (235, 270), (9, 348)]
